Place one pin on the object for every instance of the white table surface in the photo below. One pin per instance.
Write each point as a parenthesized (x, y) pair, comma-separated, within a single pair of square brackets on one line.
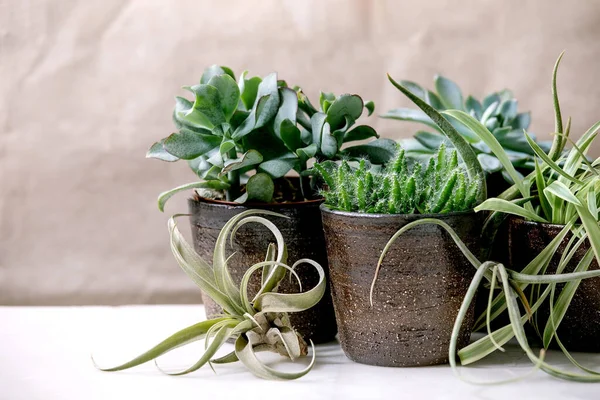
[(45, 354)]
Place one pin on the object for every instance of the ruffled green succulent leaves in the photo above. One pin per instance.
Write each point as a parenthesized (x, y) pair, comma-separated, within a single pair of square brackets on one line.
[(264, 108), (474, 169)]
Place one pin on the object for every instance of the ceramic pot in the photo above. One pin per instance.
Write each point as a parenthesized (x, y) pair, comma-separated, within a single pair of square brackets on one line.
[(303, 235), (420, 288), (580, 327)]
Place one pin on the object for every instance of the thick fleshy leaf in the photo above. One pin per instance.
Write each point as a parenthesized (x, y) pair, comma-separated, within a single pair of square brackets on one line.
[(251, 157), (277, 168), (329, 143), (208, 103), (317, 121), (378, 151), (430, 140), (260, 187), (290, 135), (308, 152), (157, 150), (229, 93), (213, 184), (474, 106), (345, 105), (248, 89), (268, 100), (287, 111), (489, 163), (210, 72), (361, 132), (408, 114), (188, 145), (449, 93), (370, 106)]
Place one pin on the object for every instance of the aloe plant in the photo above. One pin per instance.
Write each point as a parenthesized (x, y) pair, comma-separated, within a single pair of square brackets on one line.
[(256, 324), (260, 125), (562, 189), (498, 112), (442, 187)]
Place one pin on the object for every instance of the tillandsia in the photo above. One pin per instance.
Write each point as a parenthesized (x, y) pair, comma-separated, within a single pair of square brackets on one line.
[(441, 187), (260, 323), (498, 112), (563, 189), (241, 139)]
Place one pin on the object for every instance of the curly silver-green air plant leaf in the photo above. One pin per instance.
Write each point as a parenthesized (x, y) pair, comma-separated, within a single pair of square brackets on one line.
[(260, 324)]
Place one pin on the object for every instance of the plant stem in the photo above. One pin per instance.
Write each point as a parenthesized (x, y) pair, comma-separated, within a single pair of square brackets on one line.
[(305, 188), (234, 180)]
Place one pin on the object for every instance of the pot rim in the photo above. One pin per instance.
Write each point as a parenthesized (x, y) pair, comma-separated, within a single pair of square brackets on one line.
[(224, 203), (521, 220), (354, 214)]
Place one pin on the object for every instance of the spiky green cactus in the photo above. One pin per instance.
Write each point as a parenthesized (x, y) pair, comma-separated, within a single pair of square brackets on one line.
[(442, 187)]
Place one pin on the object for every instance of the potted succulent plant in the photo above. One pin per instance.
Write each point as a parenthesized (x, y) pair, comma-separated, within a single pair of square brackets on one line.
[(554, 252), (498, 111), (242, 140), (404, 317), (259, 323)]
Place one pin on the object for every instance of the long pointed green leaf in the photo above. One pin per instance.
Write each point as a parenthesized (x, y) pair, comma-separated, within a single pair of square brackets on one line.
[(474, 169), (495, 204), (184, 336)]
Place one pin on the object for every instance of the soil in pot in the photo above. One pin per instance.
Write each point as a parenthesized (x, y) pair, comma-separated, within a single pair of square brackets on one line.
[(303, 235), (420, 288), (580, 327)]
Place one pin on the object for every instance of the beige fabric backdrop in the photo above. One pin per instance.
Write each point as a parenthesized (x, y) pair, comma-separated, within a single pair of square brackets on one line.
[(86, 86)]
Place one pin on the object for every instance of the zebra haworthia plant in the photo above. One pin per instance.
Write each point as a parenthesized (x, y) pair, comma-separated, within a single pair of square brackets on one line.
[(256, 324), (498, 112), (260, 125), (442, 187)]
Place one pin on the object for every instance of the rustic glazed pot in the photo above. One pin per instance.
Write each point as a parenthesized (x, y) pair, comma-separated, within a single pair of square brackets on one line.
[(580, 327), (303, 235), (421, 285)]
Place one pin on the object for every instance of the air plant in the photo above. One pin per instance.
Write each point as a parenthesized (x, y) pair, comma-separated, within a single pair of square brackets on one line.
[(498, 112), (562, 189), (260, 125), (442, 187), (256, 324)]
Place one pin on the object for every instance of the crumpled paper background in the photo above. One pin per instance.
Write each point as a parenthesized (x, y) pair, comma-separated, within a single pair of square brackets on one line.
[(87, 86)]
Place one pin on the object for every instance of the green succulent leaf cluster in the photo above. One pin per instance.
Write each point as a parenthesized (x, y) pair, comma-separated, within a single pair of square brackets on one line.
[(260, 323), (498, 112), (239, 137), (441, 187)]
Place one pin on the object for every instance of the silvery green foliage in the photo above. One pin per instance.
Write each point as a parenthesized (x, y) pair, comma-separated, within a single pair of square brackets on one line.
[(497, 112), (400, 188), (239, 137)]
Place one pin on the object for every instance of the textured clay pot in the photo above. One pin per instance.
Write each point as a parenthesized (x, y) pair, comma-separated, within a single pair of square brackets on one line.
[(420, 288), (580, 328), (303, 235)]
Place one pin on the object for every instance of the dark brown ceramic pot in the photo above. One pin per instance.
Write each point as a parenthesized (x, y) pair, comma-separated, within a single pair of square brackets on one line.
[(420, 288), (580, 328), (303, 235)]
